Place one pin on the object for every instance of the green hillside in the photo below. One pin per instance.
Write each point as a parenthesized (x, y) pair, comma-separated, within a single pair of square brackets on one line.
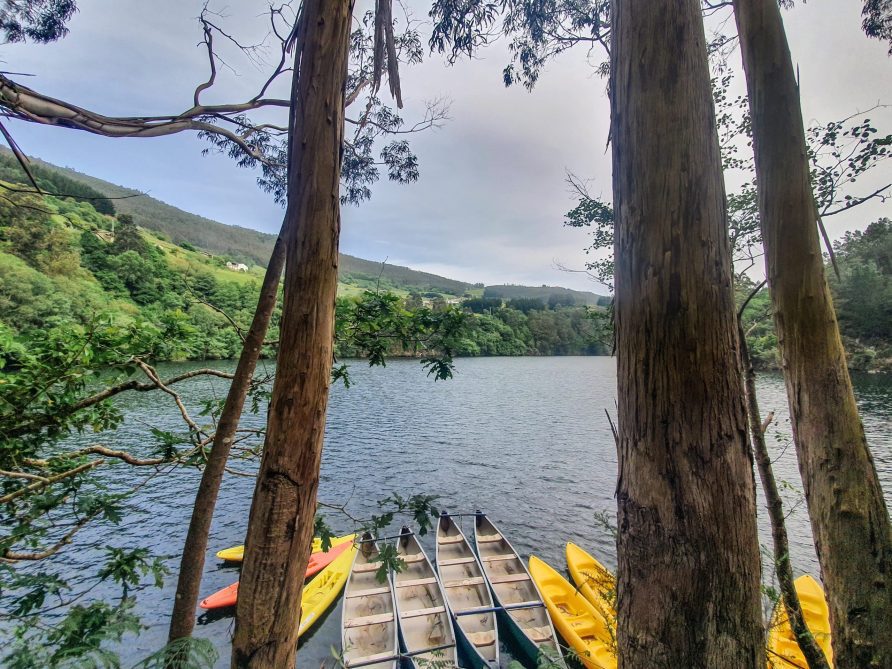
[(253, 248), (545, 293)]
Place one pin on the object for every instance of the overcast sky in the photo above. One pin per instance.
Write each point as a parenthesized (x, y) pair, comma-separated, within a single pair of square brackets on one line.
[(491, 197)]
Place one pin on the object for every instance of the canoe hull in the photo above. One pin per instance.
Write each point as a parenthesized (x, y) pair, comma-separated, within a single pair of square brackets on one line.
[(465, 587), (368, 615), (511, 584), (424, 620)]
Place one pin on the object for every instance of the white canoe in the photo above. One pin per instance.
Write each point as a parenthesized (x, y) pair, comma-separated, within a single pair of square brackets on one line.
[(424, 621), (368, 616), (466, 591), (529, 624)]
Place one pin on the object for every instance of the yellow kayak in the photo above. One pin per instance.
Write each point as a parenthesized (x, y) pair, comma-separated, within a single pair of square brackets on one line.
[(574, 617), (783, 651), (594, 581), (237, 553), (320, 593)]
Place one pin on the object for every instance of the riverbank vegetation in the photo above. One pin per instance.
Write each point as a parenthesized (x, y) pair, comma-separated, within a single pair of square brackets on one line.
[(64, 263)]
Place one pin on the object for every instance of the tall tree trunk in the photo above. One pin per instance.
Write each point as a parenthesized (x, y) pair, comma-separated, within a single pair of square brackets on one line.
[(807, 644), (280, 525), (849, 519), (688, 551), (192, 562)]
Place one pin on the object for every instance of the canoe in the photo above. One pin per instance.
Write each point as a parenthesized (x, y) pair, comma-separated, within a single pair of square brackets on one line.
[(368, 616), (581, 626), (237, 553), (318, 560), (320, 593), (783, 651), (511, 585), (421, 611), (466, 590), (594, 581)]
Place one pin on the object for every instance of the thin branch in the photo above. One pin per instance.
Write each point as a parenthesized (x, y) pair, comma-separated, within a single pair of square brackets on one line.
[(12, 556), (19, 156), (37, 485), (749, 297)]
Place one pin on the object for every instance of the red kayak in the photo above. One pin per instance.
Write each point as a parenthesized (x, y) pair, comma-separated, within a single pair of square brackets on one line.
[(318, 561)]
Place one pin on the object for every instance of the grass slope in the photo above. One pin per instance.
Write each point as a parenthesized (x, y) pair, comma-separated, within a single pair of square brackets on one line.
[(253, 247)]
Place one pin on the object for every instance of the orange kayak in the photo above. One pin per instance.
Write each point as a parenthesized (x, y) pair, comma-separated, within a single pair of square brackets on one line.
[(318, 561)]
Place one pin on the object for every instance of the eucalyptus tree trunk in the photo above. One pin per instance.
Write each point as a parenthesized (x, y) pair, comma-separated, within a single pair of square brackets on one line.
[(782, 565), (182, 620), (280, 525), (688, 551), (849, 519)]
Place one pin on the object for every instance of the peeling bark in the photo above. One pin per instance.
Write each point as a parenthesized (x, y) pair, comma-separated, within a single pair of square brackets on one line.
[(688, 552), (280, 526), (849, 519)]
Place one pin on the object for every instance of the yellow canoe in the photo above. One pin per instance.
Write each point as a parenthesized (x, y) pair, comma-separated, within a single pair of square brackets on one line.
[(783, 651), (320, 593), (237, 553), (594, 581), (574, 617)]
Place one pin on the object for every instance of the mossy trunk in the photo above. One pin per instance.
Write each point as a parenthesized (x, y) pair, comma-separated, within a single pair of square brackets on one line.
[(280, 525), (182, 620), (849, 519), (688, 551)]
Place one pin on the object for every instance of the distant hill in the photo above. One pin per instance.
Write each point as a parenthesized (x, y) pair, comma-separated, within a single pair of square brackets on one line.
[(512, 292), (253, 247)]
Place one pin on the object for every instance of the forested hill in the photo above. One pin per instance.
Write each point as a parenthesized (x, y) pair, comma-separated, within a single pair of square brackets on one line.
[(252, 247)]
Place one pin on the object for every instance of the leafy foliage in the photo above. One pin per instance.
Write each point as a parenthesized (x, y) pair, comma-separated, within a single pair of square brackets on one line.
[(878, 20), (41, 21), (539, 31), (863, 291)]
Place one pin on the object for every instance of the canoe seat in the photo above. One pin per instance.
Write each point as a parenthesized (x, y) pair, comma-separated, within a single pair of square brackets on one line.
[(509, 578), (471, 609), (434, 610), (416, 581), (481, 638), (380, 657), (366, 568), (368, 592), (487, 538), (464, 560), (414, 557), (530, 604), (451, 540), (499, 558), (464, 582), (369, 620), (539, 634)]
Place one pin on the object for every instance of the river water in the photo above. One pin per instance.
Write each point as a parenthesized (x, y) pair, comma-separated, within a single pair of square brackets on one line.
[(524, 439)]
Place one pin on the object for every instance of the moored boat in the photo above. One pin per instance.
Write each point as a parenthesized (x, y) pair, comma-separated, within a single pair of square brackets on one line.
[(320, 593), (783, 650), (467, 595), (581, 626), (237, 553), (368, 621), (594, 581), (228, 596), (426, 630), (528, 624)]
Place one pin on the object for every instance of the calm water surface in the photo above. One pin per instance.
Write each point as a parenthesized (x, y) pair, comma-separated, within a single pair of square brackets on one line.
[(524, 439)]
